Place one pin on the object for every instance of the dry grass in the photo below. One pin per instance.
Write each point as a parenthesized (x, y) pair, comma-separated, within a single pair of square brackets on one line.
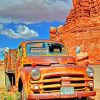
[(4, 95)]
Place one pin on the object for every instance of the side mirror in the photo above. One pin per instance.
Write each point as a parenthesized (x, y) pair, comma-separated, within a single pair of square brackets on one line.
[(78, 49), (81, 55)]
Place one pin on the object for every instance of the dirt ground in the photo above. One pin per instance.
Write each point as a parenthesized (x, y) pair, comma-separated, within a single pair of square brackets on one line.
[(97, 82), (97, 97), (2, 79)]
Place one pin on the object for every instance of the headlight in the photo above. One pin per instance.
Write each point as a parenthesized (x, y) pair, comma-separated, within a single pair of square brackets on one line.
[(35, 74), (90, 72)]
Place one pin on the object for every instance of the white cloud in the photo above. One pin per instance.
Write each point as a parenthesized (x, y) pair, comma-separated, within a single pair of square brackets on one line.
[(22, 32), (1, 27), (9, 20), (10, 33), (35, 10), (26, 32), (9, 3)]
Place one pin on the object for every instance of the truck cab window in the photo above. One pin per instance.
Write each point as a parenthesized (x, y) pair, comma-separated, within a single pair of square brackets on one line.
[(20, 51)]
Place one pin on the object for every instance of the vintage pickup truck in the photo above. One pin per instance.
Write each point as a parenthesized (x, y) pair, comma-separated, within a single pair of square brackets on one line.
[(42, 69)]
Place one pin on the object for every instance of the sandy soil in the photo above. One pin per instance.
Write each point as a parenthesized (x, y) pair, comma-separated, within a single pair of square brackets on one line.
[(97, 82), (97, 97)]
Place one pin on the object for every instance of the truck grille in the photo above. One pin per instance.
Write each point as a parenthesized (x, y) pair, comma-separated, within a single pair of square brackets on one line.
[(54, 83)]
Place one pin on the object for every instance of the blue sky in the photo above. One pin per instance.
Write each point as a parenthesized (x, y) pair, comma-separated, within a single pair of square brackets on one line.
[(22, 20)]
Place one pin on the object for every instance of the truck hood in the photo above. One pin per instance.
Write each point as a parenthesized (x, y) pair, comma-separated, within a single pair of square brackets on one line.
[(46, 60)]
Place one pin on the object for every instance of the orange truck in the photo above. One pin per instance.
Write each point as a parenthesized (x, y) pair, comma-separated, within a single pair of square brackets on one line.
[(42, 69)]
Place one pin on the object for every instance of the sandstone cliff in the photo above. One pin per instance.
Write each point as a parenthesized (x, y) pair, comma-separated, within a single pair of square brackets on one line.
[(82, 28)]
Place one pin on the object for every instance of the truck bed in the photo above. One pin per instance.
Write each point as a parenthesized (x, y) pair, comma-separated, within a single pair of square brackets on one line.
[(10, 60)]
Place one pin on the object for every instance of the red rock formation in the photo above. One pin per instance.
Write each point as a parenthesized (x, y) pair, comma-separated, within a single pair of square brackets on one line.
[(82, 28)]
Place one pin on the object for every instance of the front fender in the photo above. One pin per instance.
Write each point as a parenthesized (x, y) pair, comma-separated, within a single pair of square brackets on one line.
[(22, 79)]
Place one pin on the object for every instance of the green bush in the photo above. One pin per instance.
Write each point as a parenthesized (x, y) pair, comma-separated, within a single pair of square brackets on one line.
[(10, 95)]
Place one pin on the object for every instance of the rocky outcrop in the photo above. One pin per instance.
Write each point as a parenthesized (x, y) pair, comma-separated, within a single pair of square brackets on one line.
[(82, 28)]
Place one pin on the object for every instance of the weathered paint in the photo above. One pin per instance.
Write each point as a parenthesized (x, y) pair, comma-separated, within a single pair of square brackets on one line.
[(65, 67)]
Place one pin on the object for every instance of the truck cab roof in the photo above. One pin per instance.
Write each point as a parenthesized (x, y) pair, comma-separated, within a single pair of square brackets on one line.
[(25, 42)]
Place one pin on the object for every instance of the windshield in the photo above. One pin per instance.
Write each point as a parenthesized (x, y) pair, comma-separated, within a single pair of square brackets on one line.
[(44, 48)]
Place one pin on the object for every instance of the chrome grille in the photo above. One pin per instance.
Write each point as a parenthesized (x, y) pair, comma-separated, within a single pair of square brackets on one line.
[(54, 83)]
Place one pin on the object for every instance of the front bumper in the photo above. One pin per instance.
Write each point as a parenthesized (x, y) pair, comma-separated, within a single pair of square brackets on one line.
[(60, 96)]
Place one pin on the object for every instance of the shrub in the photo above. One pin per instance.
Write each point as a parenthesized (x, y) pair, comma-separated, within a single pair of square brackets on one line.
[(4, 95)]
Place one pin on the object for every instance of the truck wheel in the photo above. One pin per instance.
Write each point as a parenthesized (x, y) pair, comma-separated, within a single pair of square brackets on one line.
[(86, 98), (7, 82), (24, 97)]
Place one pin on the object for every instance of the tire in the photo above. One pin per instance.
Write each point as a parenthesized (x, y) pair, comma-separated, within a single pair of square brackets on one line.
[(86, 98), (24, 97), (21, 89)]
